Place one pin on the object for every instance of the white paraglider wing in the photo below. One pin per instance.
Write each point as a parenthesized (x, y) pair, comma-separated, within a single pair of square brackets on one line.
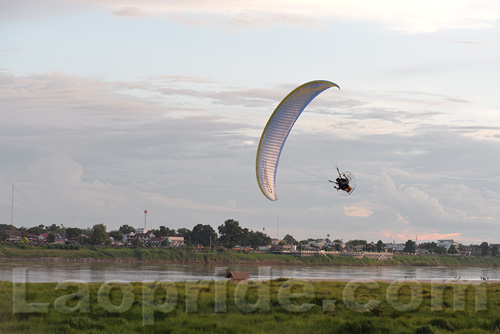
[(277, 129)]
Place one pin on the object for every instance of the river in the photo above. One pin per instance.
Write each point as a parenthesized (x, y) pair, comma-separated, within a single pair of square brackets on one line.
[(25, 271)]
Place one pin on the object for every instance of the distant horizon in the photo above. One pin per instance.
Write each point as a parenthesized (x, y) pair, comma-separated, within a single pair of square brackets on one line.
[(273, 238)]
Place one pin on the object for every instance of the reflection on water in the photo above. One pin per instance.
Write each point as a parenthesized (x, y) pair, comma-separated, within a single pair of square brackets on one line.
[(135, 272)]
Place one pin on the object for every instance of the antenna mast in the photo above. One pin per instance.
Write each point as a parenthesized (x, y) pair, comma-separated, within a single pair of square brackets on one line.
[(12, 208), (278, 227)]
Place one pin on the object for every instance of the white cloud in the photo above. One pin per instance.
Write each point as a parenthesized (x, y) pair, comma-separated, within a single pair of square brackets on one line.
[(410, 16), (403, 15), (358, 211)]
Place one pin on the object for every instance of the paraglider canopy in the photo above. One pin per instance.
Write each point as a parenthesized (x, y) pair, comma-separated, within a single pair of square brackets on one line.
[(277, 129)]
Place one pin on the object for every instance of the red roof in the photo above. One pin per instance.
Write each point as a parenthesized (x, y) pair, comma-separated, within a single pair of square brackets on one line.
[(13, 233)]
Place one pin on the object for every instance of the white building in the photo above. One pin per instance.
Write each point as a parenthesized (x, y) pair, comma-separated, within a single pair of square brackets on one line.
[(394, 246), (447, 243), (144, 237)]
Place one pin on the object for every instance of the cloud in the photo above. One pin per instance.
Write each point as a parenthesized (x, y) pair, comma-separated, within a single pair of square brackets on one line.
[(424, 16), (53, 189), (403, 220), (180, 78), (105, 151), (437, 236), (129, 12), (34, 9), (87, 146), (358, 211), (407, 16)]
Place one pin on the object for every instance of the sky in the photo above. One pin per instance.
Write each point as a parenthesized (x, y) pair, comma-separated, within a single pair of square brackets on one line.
[(109, 108)]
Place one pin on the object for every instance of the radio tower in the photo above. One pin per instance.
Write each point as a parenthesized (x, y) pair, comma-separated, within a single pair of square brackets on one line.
[(12, 207)]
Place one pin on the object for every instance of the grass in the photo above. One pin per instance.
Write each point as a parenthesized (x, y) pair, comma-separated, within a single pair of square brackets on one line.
[(263, 307), (188, 255)]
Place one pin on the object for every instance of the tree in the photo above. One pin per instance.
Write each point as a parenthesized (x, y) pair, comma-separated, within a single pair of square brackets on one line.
[(452, 250), (494, 250), (485, 249), (7, 227), (52, 228), (36, 230), (371, 247), (186, 233), (135, 243), (380, 246), (164, 231), (257, 238), (165, 243), (230, 233), (117, 235), (289, 240), (51, 237), (430, 246), (410, 247), (357, 242), (73, 232), (203, 235), (99, 235), (245, 237), (441, 250), (126, 229)]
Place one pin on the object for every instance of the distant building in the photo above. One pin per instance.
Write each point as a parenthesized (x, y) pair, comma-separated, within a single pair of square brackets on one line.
[(422, 251), (157, 241), (59, 239), (176, 241), (32, 237), (447, 243), (315, 244), (281, 248), (140, 234), (13, 236), (275, 241), (396, 247), (73, 241), (333, 244)]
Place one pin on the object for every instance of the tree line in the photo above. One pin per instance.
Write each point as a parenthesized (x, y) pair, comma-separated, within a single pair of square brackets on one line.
[(230, 234)]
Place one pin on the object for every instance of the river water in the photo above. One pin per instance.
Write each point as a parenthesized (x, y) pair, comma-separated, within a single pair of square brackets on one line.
[(25, 271)]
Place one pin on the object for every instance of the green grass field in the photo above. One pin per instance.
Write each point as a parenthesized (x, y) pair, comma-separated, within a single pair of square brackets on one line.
[(279, 306)]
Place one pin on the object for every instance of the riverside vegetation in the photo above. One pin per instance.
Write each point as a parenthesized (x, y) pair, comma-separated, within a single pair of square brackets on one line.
[(189, 255), (196, 308)]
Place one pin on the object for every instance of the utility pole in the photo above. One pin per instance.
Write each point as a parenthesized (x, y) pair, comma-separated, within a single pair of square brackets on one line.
[(278, 227), (12, 207)]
